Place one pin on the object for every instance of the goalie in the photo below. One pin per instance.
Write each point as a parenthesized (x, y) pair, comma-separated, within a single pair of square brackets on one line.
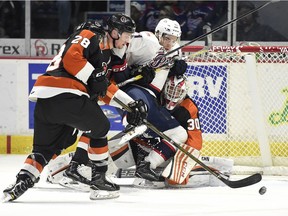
[(180, 168)]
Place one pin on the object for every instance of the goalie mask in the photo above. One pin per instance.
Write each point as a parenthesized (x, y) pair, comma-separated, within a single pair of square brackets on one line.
[(174, 92)]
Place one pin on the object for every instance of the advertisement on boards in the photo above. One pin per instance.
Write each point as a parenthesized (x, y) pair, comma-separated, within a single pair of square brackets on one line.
[(208, 88)]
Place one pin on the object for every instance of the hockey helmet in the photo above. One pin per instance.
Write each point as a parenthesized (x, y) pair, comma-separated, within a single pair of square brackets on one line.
[(92, 26), (122, 23), (175, 90), (168, 26)]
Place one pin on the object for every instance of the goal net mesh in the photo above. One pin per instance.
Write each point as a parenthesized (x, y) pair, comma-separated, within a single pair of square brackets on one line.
[(243, 106)]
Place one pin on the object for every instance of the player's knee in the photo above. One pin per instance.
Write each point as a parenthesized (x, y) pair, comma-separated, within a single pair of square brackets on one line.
[(101, 129)]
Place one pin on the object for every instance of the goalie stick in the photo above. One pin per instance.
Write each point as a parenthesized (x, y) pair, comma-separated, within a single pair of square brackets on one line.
[(250, 180)]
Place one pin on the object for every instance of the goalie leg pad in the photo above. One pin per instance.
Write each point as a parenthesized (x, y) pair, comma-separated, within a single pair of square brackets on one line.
[(57, 167), (180, 166), (121, 155), (224, 165)]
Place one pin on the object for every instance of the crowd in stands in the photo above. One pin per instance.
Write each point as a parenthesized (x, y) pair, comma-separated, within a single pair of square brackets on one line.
[(56, 19)]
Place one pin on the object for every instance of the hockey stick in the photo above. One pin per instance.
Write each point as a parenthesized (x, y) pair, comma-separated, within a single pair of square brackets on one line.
[(133, 79), (250, 180), (221, 26)]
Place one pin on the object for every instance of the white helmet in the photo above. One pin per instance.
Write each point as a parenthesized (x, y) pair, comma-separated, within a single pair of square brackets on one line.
[(168, 26), (175, 90)]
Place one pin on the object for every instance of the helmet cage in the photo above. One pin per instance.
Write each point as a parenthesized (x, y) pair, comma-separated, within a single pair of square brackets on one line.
[(174, 92)]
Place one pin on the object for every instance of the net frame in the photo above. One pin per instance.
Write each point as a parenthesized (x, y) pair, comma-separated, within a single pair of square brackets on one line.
[(247, 153)]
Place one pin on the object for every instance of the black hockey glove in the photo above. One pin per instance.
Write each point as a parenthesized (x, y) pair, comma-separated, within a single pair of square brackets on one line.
[(138, 114), (147, 72), (178, 69), (97, 83)]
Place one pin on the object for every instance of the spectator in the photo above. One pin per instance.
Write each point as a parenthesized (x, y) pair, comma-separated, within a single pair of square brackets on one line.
[(136, 12), (12, 19), (198, 14), (156, 12), (249, 29)]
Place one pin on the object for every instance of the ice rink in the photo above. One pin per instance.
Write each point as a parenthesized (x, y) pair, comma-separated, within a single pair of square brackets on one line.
[(46, 199)]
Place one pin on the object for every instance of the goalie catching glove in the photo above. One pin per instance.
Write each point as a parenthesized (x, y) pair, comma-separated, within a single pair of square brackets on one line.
[(138, 115), (98, 83)]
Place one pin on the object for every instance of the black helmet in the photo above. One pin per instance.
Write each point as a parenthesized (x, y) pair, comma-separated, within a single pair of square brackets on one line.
[(121, 22), (92, 26)]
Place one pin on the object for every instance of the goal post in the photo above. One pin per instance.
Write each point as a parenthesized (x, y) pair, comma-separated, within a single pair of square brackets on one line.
[(242, 96)]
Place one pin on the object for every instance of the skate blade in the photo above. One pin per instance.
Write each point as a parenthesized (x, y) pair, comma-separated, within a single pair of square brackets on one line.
[(144, 183), (6, 198), (69, 183), (102, 194)]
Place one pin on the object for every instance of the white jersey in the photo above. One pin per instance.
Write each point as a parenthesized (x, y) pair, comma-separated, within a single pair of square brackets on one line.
[(143, 47)]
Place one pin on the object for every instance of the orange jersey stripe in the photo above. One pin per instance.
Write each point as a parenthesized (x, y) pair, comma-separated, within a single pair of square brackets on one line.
[(59, 82), (84, 139), (100, 150), (112, 89), (35, 164)]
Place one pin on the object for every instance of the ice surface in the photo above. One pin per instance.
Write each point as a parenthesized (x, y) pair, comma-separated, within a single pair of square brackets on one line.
[(45, 199)]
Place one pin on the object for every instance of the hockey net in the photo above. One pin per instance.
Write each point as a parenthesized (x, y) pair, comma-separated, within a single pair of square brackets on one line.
[(242, 96)]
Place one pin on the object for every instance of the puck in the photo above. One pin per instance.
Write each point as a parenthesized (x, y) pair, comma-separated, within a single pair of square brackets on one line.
[(262, 190)]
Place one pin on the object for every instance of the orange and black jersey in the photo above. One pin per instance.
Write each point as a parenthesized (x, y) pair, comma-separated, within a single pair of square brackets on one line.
[(71, 68), (188, 116)]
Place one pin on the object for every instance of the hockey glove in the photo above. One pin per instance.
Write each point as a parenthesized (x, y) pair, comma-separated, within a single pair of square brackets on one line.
[(138, 114), (148, 74), (178, 69), (97, 83)]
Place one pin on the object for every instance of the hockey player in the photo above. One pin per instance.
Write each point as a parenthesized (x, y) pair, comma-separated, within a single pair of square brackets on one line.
[(117, 28), (66, 99), (139, 52)]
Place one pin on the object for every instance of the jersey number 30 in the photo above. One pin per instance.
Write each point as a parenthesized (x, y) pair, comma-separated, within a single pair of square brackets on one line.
[(193, 124)]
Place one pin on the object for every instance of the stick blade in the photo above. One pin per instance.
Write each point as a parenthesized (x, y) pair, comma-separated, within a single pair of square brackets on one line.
[(250, 180)]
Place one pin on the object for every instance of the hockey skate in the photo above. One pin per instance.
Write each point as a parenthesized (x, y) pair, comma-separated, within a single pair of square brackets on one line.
[(23, 183), (72, 178), (101, 188), (144, 171)]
